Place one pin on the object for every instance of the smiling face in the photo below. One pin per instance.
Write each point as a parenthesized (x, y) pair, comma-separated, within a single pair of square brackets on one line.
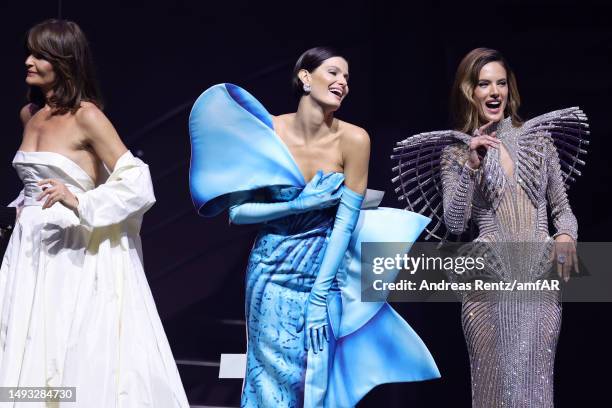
[(328, 82), (491, 92), (40, 72)]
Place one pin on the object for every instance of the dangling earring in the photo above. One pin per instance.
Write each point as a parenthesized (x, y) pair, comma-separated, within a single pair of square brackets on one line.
[(306, 88)]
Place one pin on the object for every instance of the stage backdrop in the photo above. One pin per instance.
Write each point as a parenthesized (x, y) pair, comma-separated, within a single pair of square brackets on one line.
[(154, 58)]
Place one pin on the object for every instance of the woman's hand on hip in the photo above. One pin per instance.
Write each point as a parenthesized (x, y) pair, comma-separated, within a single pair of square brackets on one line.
[(56, 191)]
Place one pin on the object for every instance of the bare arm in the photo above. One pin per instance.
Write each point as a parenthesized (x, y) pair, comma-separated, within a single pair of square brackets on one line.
[(128, 191), (100, 135), (356, 158)]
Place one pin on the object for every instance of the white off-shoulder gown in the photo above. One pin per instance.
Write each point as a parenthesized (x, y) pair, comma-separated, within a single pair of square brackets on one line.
[(75, 306)]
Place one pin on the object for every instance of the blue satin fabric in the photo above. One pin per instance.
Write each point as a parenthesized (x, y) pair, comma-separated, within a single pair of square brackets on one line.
[(233, 150), (235, 153)]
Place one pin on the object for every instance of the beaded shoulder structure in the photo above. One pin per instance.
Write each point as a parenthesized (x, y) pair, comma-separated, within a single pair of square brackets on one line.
[(418, 175), (569, 129)]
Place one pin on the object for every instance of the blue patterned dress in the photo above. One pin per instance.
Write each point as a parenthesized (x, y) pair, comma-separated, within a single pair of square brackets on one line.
[(236, 156)]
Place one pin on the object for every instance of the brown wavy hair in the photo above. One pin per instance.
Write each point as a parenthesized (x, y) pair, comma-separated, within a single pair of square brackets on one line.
[(464, 109), (64, 45)]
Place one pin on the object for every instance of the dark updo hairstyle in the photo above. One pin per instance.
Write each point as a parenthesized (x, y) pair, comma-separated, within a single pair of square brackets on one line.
[(310, 60), (64, 45)]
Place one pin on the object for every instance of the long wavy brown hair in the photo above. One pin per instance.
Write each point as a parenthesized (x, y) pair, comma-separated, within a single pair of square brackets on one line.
[(465, 111), (64, 45)]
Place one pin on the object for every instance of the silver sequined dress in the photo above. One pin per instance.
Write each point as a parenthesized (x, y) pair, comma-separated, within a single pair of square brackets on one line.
[(511, 336)]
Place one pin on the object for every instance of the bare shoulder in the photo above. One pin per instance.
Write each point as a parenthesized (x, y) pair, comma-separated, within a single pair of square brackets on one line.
[(26, 113), (89, 115), (355, 147), (94, 124), (353, 136)]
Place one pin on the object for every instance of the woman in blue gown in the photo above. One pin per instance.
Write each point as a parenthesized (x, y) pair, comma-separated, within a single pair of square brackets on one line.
[(311, 341)]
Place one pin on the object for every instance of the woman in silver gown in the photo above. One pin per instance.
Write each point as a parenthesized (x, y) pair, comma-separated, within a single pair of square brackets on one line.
[(502, 177)]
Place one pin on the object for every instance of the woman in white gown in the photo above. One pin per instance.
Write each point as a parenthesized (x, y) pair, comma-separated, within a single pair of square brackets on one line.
[(75, 306)]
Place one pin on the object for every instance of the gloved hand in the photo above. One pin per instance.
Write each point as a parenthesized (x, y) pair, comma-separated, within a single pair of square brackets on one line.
[(315, 315), (322, 191)]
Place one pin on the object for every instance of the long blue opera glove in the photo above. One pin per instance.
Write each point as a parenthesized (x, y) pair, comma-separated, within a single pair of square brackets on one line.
[(315, 316), (321, 192)]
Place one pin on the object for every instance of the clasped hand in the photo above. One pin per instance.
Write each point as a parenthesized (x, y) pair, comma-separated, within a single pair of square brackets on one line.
[(321, 192)]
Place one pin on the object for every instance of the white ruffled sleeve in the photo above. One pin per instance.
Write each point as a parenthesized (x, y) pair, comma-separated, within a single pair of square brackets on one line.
[(127, 192)]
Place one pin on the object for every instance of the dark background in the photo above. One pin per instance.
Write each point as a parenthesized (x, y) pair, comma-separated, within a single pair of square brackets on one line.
[(154, 58)]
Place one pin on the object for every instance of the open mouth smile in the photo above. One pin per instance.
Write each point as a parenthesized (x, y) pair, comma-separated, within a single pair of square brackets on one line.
[(493, 106), (338, 92)]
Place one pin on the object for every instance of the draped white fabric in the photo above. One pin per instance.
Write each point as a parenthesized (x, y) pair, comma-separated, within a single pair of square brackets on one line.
[(75, 306)]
